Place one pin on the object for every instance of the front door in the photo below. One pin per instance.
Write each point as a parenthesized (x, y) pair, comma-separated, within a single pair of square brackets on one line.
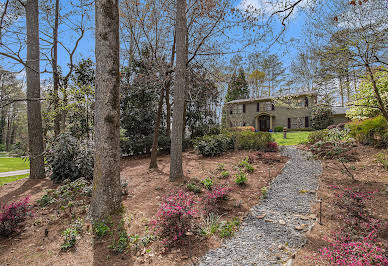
[(264, 123)]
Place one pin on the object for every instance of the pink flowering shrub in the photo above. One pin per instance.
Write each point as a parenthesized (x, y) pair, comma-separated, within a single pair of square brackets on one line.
[(210, 201), (12, 215), (356, 241), (174, 217)]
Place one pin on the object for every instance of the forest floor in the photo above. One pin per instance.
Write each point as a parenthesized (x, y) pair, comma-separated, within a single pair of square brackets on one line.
[(40, 241), (369, 176)]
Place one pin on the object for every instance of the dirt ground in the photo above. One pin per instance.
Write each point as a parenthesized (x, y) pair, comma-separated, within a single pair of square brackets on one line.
[(39, 242), (369, 175)]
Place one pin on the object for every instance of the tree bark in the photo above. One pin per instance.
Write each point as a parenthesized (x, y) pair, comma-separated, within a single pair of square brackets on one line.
[(57, 127), (377, 93), (34, 116), (168, 104), (106, 195), (176, 169), (154, 151)]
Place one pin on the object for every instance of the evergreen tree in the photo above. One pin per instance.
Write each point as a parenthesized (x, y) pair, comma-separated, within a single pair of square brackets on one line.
[(237, 87)]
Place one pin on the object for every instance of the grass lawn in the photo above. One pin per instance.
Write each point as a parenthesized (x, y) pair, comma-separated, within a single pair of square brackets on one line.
[(293, 137), (13, 164), (9, 179)]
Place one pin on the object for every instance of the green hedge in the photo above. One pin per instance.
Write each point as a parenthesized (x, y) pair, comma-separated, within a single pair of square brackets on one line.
[(373, 131), (213, 145), (247, 140)]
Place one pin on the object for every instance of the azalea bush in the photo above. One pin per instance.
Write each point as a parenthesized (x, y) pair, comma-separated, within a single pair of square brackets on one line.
[(212, 199), (12, 215), (356, 241), (175, 217)]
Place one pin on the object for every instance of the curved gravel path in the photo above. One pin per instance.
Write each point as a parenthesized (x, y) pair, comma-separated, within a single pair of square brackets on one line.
[(275, 228)]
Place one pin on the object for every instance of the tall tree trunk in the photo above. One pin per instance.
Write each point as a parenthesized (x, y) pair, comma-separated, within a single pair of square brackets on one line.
[(383, 108), (57, 127), (154, 151), (34, 115), (176, 169), (341, 91), (63, 116), (8, 136), (106, 195), (168, 104)]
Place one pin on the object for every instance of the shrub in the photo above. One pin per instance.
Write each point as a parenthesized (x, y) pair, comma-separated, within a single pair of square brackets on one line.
[(193, 188), (247, 140), (2, 147), (69, 158), (214, 145), (334, 150), (12, 215), (71, 234), (278, 129), (247, 166), (316, 136), (372, 131), (225, 174), (211, 200), (321, 117), (207, 183), (241, 179), (174, 217), (272, 147), (227, 228)]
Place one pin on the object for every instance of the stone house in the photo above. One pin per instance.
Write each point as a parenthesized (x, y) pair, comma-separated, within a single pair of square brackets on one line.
[(264, 114)]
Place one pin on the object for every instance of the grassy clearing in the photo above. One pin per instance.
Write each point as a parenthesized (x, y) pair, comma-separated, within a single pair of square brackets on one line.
[(293, 138), (13, 164), (9, 179)]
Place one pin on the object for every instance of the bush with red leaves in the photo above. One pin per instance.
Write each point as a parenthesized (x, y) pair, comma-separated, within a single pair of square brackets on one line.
[(12, 215)]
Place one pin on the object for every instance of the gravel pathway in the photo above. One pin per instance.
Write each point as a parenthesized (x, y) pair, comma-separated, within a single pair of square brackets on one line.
[(275, 228)]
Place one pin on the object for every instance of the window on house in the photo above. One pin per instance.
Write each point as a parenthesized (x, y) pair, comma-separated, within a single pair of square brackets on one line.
[(273, 107), (306, 121), (243, 107), (289, 123), (306, 102), (231, 124), (258, 107), (244, 124), (231, 111)]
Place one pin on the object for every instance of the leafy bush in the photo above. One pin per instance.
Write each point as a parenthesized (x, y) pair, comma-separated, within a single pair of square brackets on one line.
[(278, 129), (225, 174), (241, 178), (272, 147), (69, 158), (2, 147), (214, 145), (12, 215), (247, 140), (227, 228), (207, 183), (193, 188), (71, 234), (174, 217), (372, 131), (316, 136), (211, 200), (334, 150), (321, 117)]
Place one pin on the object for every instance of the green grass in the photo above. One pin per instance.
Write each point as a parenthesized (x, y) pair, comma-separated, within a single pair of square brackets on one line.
[(9, 179), (13, 164), (293, 137)]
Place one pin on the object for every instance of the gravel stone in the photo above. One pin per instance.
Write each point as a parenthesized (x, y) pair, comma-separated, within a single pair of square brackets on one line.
[(284, 203)]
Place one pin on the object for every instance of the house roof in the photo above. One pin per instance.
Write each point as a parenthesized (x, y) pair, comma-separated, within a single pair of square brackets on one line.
[(272, 97), (339, 110)]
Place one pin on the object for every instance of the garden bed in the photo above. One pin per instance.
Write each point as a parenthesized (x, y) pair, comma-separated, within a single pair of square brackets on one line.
[(370, 176), (40, 241)]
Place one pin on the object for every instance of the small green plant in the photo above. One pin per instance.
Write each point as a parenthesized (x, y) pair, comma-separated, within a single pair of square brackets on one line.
[(220, 167), (241, 178), (121, 244), (193, 188), (71, 234), (382, 158), (46, 200), (227, 228), (100, 229), (211, 224), (246, 165), (264, 192), (207, 183), (225, 174)]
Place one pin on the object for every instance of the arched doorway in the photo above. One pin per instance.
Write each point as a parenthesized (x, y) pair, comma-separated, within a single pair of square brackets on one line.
[(264, 122)]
